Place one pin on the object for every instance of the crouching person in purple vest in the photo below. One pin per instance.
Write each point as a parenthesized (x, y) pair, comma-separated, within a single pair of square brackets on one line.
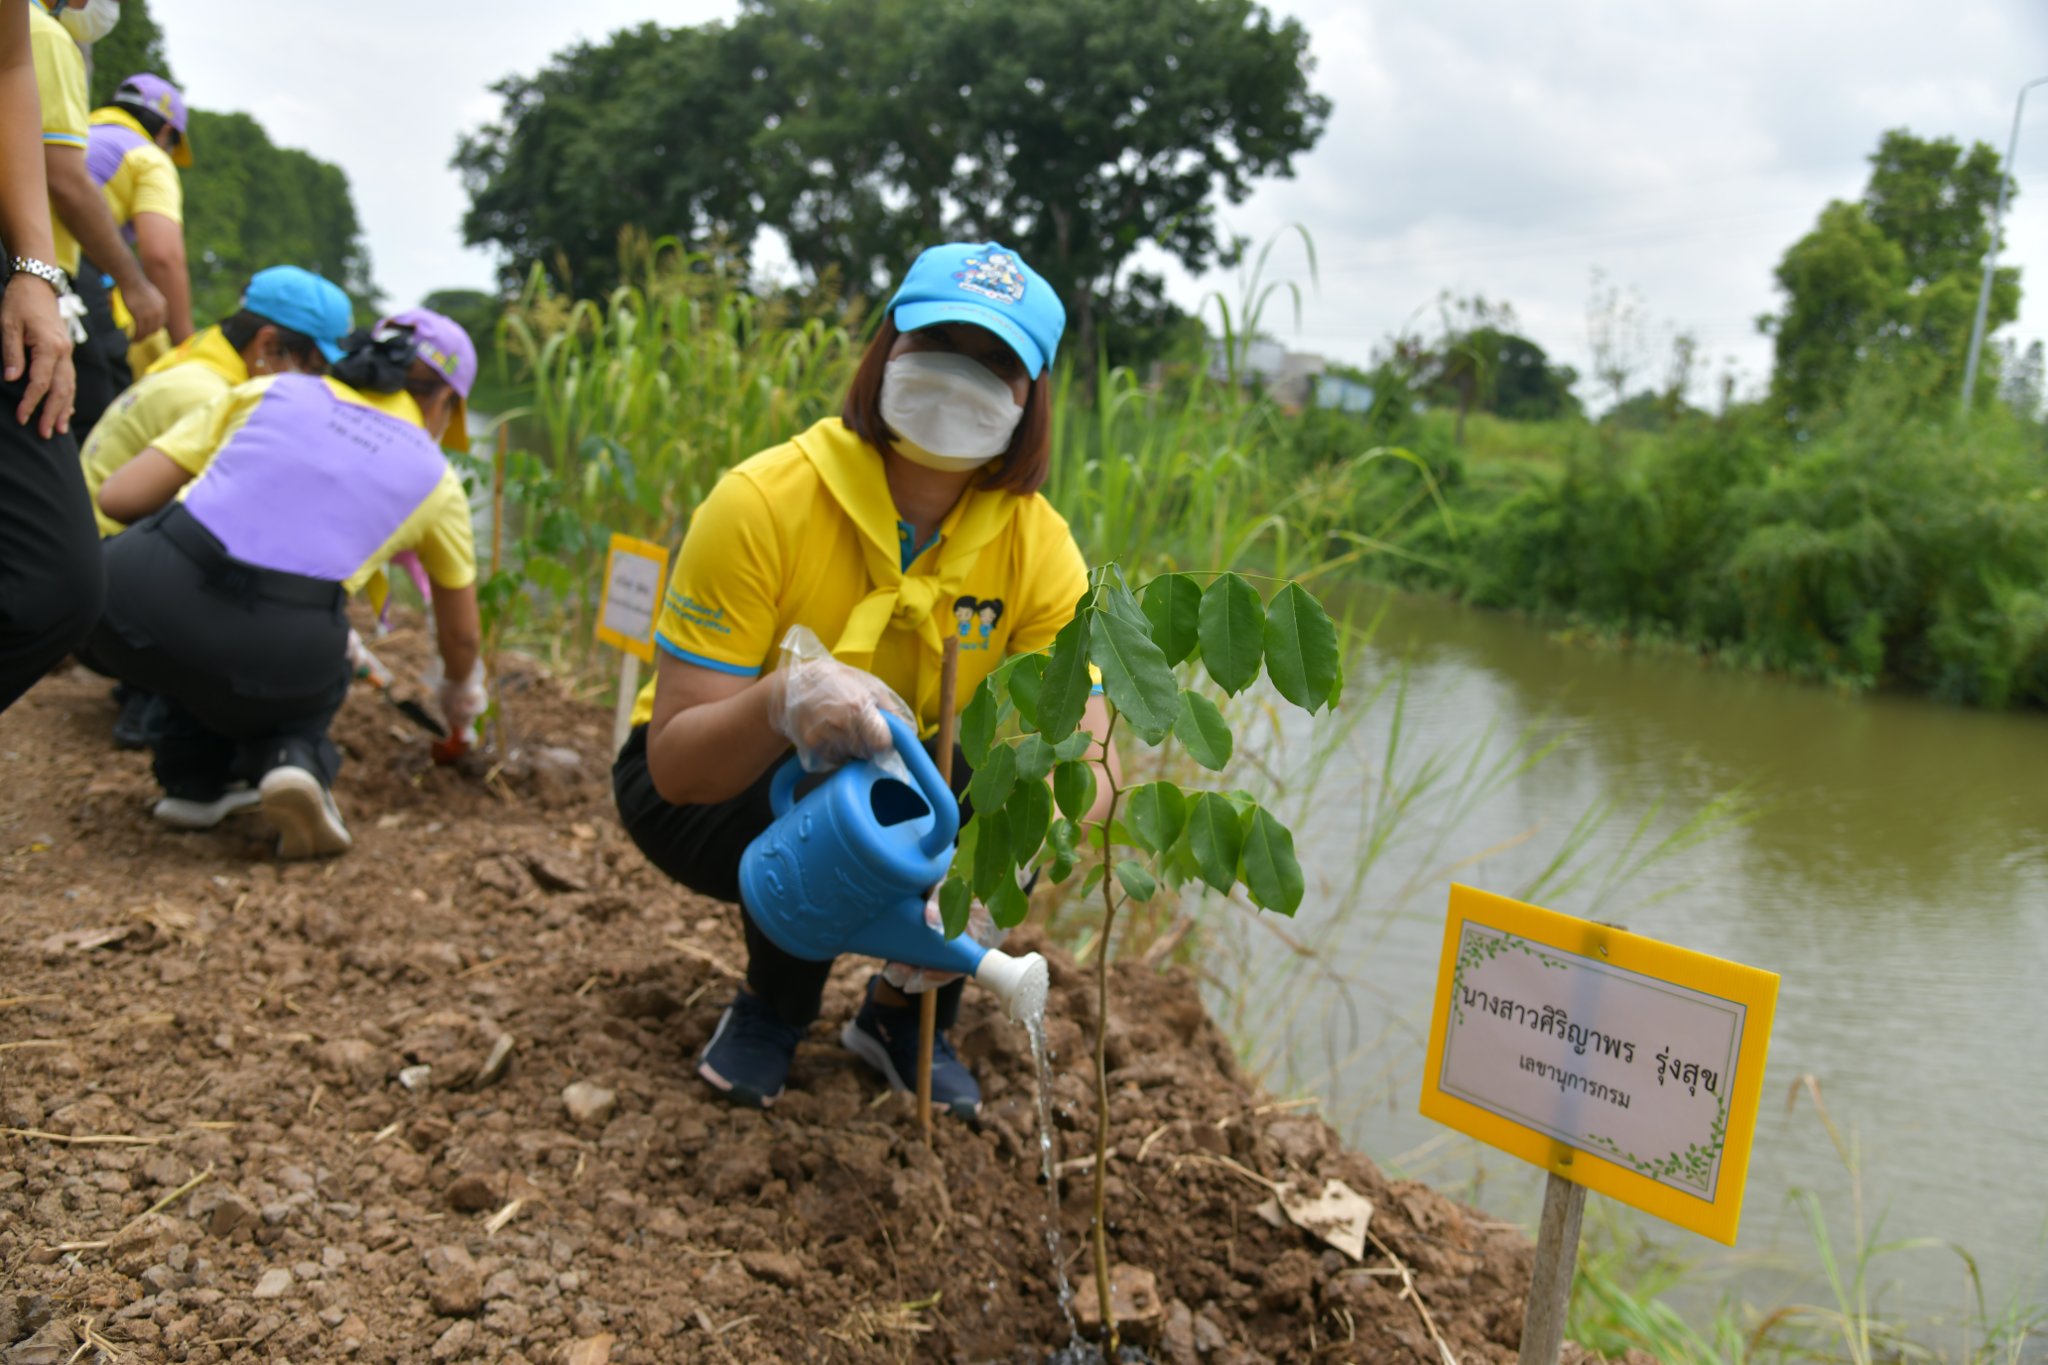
[(252, 520)]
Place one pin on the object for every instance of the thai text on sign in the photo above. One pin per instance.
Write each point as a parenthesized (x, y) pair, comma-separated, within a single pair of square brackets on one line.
[(1621, 1063), (634, 571)]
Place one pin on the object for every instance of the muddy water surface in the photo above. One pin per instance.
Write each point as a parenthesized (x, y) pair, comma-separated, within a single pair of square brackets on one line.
[(1898, 882)]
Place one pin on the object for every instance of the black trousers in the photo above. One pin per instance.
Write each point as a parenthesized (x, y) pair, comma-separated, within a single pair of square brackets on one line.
[(700, 847), (49, 551), (102, 362), (251, 662)]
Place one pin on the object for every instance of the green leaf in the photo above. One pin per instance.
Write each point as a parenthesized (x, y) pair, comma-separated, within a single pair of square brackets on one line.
[(1137, 883), (1073, 746), (1135, 675), (1215, 837), (1271, 874), (956, 898), (1156, 812), (1008, 906), (1232, 628), (1034, 759), (1173, 604), (993, 864), (991, 783), (1092, 877), (978, 725), (1027, 679), (1064, 840), (1301, 648), (1030, 812), (1073, 784), (1063, 695), (1203, 730)]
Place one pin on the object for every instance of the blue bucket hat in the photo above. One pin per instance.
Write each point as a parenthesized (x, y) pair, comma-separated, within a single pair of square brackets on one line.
[(989, 285), (292, 297)]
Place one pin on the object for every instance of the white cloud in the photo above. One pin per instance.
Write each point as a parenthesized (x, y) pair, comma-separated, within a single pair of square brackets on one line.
[(1481, 146)]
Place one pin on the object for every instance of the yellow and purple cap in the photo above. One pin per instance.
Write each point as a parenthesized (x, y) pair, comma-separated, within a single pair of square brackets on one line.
[(159, 97), (440, 341)]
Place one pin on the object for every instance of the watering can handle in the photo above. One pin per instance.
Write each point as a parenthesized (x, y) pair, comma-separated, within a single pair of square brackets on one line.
[(782, 790), (945, 809)]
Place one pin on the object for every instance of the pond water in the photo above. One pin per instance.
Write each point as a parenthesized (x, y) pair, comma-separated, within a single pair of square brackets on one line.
[(1896, 879)]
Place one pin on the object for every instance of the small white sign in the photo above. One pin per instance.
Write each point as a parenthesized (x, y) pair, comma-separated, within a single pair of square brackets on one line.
[(1629, 1067), (634, 571)]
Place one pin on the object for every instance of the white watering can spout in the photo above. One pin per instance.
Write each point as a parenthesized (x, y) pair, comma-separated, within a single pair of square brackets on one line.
[(1021, 983)]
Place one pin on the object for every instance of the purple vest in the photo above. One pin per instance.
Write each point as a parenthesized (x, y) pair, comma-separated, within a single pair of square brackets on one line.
[(313, 485), (107, 146)]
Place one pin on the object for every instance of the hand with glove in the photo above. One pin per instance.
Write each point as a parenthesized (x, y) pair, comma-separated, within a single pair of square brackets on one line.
[(831, 712), (981, 927), (464, 699)]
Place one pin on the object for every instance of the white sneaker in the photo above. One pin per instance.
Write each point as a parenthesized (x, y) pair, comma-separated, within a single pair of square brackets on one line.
[(308, 824), (180, 813)]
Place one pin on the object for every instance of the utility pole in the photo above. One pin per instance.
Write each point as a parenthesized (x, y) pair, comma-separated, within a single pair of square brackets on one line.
[(1991, 255)]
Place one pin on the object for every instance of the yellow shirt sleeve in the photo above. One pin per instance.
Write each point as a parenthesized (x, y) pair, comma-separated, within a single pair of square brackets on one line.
[(440, 530), (195, 438), (1055, 577), (720, 611), (60, 81), (156, 187)]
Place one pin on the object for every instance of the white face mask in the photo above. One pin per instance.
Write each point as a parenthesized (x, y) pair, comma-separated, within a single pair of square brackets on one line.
[(92, 23), (950, 412)]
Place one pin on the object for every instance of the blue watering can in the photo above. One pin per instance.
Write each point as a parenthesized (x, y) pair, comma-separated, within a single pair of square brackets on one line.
[(846, 870)]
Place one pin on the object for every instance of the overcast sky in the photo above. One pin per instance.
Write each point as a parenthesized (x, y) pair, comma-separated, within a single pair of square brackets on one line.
[(1481, 146)]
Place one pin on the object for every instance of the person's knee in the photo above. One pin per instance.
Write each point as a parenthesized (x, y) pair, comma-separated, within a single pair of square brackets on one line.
[(53, 612)]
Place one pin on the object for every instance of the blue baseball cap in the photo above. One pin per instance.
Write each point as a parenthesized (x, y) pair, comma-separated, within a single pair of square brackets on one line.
[(299, 299), (989, 285)]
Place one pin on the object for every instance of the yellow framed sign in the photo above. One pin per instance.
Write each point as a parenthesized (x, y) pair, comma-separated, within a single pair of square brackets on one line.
[(634, 571), (1622, 1064)]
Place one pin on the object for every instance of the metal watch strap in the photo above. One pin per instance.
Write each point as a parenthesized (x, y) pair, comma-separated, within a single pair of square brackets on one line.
[(44, 271)]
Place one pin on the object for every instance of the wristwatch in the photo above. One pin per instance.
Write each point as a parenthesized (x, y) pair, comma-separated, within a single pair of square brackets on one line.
[(44, 271)]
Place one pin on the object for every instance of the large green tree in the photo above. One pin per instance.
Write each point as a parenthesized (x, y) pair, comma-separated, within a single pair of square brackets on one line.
[(1884, 288), (1074, 130), (136, 44)]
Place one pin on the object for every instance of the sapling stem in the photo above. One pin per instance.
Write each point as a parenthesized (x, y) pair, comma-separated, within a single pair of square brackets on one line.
[(1102, 1051)]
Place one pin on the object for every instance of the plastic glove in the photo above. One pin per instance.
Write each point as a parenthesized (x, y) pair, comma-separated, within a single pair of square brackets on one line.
[(981, 927), (462, 699), (831, 712), (365, 665)]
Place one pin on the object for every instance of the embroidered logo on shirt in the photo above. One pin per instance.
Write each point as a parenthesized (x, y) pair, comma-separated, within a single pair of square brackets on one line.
[(993, 276), (976, 620)]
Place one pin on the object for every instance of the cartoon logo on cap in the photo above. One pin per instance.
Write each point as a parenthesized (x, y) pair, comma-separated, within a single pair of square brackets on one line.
[(438, 358), (994, 276)]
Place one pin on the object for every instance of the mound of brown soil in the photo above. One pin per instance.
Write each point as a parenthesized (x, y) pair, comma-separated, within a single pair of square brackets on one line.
[(434, 1101)]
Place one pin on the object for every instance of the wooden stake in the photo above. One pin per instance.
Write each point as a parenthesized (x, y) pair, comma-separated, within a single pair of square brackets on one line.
[(928, 1002), (1550, 1284), (629, 692), (497, 563)]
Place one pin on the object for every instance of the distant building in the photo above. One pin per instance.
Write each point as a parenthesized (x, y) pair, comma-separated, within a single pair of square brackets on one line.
[(1293, 379)]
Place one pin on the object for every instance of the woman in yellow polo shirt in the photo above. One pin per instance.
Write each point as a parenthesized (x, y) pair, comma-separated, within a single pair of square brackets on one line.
[(230, 601), (863, 534)]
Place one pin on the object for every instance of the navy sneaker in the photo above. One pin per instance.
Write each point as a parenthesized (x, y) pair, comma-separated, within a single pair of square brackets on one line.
[(885, 1037), (747, 1059)]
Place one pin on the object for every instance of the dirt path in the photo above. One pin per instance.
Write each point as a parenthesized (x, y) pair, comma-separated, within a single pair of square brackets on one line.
[(311, 1045)]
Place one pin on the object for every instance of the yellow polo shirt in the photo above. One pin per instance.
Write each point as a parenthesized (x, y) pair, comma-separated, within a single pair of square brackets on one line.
[(146, 181), (60, 85), (438, 529), (806, 534), (199, 371)]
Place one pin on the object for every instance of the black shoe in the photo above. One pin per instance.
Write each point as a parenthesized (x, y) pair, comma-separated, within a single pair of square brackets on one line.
[(308, 823), (747, 1059), (885, 1037), (141, 722)]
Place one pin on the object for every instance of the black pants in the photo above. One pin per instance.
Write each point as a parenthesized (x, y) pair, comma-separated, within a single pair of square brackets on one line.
[(102, 362), (49, 551), (700, 847), (252, 662)]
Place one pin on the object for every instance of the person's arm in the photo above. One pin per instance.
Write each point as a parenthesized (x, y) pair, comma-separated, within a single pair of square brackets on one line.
[(142, 485), (83, 208), (457, 630), (1108, 767), (160, 242), (712, 734), (33, 338)]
